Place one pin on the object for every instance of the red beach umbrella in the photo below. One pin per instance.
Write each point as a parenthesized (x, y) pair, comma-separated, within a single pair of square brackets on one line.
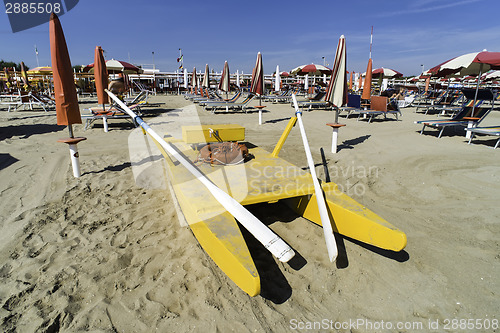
[(101, 77), (471, 63), (311, 69), (67, 109), (474, 63), (386, 72), (116, 66), (367, 87), (336, 93)]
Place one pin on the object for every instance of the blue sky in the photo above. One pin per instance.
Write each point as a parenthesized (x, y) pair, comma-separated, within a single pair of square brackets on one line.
[(407, 34)]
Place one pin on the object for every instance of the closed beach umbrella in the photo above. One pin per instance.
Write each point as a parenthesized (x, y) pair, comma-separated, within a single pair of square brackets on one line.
[(194, 81), (67, 109), (101, 77), (24, 75), (336, 94), (206, 78), (257, 86), (185, 78), (277, 79), (350, 81), (7, 76), (116, 66), (224, 79), (367, 87)]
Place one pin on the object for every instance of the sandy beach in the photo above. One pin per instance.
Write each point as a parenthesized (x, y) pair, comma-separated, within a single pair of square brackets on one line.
[(106, 252)]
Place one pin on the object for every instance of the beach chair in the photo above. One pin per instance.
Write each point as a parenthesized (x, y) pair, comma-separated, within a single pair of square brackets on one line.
[(465, 118), (490, 130), (353, 105), (213, 106), (316, 102), (430, 99), (113, 112), (380, 106), (218, 98), (447, 103)]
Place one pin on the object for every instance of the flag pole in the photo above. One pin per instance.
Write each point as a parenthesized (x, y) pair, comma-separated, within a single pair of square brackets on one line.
[(36, 54)]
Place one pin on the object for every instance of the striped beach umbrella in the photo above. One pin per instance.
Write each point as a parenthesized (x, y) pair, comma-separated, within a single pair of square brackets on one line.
[(311, 69), (206, 78), (257, 86), (367, 87), (386, 72), (224, 79), (336, 94)]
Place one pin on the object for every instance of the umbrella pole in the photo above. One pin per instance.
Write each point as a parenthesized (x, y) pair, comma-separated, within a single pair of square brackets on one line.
[(272, 242), (477, 89), (104, 119), (73, 151), (320, 199)]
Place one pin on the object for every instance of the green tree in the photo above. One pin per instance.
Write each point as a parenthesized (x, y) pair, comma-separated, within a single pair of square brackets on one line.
[(10, 64)]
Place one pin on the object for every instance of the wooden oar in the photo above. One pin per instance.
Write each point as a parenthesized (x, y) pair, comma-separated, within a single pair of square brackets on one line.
[(323, 211), (272, 242)]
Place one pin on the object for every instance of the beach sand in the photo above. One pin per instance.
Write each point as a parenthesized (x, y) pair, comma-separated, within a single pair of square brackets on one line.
[(106, 252)]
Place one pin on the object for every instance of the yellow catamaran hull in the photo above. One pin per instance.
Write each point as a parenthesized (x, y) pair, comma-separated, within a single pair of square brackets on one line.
[(265, 178)]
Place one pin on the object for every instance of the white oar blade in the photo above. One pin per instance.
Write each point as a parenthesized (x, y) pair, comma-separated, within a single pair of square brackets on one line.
[(331, 245)]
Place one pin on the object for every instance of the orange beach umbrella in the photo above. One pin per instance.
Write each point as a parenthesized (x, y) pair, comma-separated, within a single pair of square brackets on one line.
[(101, 76), (67, 109), (367, 87)]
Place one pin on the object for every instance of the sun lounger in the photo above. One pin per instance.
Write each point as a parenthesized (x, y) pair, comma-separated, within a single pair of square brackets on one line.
[(380, 106), (491, 130), (113, 112), (219, 98), (353, 105), (429, 99), (30, 99), (465, 118), (213, 106), (449, 103), (316, 102)]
